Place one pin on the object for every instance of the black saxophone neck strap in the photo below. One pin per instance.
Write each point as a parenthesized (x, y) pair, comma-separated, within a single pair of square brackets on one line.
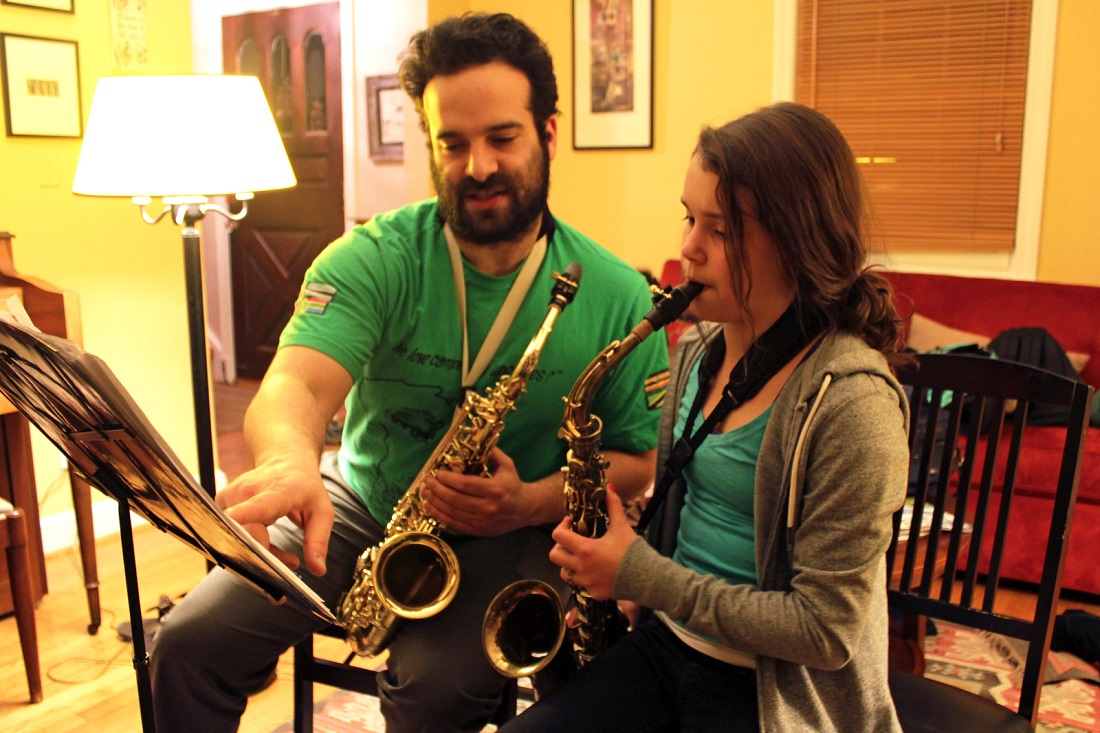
[(793, 331)]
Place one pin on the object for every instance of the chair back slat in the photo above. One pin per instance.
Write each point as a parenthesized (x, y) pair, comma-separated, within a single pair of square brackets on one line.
[(1007, 491), (937, 501), (970, 420), (950, 458), (967, 499)]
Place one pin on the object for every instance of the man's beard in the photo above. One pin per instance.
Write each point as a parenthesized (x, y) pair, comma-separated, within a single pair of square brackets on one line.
[(527, 200)]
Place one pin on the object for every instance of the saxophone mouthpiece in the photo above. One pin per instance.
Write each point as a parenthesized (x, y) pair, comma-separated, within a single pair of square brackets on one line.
[(670, 303), (566, 286)]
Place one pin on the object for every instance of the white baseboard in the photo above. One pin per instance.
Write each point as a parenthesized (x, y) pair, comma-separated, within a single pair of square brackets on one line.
[(59, 530)]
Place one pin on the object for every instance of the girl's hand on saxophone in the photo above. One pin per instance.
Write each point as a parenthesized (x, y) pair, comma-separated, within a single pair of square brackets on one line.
[(592, 563)]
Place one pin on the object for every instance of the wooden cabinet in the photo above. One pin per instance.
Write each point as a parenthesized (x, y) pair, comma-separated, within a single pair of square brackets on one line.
[(17, 486), (56, 312)]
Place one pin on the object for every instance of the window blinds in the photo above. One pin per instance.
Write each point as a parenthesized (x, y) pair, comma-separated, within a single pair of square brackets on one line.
[(930, 95)]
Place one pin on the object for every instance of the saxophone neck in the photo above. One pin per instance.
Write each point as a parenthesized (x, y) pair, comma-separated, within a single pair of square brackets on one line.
[(668, 305), (579, 402), (565, 289)]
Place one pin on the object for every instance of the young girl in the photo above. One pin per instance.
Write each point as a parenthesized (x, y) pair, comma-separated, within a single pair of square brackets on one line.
[(762, 575)]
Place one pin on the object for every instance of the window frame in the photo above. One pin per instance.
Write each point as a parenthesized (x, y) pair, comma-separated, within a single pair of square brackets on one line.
[(1022, 262)]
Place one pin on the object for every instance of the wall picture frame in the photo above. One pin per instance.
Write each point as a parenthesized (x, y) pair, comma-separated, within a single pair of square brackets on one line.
[(41, 80), (63, 6), (612, 74), (386, 118)]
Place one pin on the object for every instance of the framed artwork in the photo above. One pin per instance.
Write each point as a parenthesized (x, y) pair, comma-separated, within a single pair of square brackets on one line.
[(129, 35), (385, 118), (612, 74), (64, 6), (41, 78)]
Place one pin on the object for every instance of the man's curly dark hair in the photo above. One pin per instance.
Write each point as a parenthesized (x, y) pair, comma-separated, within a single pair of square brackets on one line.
[(475, 39)]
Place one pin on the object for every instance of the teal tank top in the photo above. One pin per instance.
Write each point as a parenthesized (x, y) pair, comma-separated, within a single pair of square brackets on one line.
[(716, 534)]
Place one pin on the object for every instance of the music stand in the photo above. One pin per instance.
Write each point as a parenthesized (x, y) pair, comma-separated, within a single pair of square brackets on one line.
[(79, 404)]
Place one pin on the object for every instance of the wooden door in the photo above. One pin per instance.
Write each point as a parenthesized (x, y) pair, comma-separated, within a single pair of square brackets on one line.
[(295, 52)]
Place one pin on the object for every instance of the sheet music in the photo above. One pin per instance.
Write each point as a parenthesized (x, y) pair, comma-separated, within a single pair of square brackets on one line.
[(78, 403)]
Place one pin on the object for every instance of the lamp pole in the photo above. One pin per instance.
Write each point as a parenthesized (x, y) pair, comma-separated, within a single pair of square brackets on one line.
[(188, 211), (196, 322)]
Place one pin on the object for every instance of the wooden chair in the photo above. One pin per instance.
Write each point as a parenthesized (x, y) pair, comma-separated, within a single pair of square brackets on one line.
[(309, 669), (13, 538), (969, 420)]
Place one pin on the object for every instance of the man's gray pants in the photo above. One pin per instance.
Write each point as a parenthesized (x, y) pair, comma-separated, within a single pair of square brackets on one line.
[(221, 643)]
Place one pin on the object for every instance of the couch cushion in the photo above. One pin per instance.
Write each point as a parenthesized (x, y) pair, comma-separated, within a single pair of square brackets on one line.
[(989, 306), (1040, 459), (1091, 371), (1030, 519)]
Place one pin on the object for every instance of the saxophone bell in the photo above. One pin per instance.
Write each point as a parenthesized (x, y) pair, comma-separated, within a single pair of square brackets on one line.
[(523, 629), (416, 574)]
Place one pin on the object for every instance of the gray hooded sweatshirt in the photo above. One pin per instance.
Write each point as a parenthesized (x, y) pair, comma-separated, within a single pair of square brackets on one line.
[(817, 621)]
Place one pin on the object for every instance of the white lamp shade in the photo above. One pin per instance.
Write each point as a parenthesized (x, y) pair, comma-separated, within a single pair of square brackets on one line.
[(199, 135)]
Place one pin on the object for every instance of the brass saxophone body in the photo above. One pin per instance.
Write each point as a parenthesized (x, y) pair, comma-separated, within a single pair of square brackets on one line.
[(413, 573), (524, 625), (601, 623)]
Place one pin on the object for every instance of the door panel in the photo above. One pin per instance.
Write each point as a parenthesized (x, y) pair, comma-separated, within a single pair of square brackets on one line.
[(295, 52)]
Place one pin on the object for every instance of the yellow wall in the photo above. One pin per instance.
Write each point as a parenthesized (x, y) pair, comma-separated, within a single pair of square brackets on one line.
[(630, 200), (1069, 249), (129, 275), (713, 61)]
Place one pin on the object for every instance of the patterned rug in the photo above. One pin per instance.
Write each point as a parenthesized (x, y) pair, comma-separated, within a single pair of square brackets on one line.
[(973, 660), (343, 712), (991, 666)]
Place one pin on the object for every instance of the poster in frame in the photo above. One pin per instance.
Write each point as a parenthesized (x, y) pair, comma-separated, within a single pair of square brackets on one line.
[(62, 6), (41, 79), (612, 74), (385, 118)]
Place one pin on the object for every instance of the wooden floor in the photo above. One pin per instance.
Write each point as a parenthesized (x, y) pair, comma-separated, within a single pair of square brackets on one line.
[(89, 681)]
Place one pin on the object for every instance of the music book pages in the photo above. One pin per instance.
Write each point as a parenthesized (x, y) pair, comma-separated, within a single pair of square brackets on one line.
[(75, 399)]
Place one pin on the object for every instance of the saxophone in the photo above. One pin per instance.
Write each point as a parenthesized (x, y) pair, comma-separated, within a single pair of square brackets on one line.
[(413, 573), (601, 623), (524, 625)]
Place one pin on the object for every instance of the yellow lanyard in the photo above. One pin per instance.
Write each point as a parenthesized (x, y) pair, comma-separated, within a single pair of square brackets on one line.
[(505, 315)]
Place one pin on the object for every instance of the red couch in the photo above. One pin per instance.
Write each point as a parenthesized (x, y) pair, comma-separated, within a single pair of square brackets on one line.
[(1071, 313)]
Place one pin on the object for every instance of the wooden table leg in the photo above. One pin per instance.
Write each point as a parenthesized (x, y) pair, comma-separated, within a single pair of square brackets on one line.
[(15, 524), (85, 530)]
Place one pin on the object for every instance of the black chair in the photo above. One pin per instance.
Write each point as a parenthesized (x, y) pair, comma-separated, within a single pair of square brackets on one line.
[(309, 668), (976, 410)]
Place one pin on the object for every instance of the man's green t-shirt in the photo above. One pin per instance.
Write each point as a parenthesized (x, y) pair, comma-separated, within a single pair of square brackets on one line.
[(381, 301)]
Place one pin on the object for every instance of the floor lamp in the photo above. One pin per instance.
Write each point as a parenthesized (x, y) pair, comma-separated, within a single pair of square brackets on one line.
[(182, 139)]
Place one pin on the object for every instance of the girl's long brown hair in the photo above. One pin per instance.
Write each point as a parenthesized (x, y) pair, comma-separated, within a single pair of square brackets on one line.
[(809, 197)]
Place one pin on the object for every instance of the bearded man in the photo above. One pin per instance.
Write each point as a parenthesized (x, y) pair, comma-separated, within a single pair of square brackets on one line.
[(389, 323)]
